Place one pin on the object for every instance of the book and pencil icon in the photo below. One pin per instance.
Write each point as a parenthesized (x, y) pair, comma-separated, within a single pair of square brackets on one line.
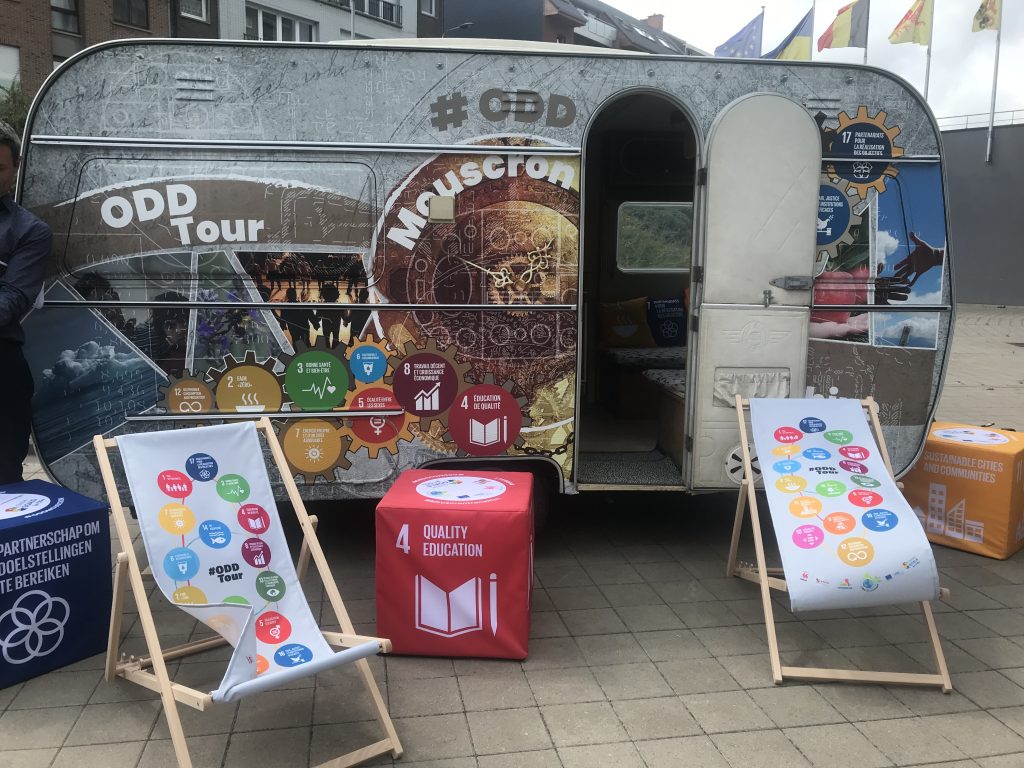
[(456, 612)]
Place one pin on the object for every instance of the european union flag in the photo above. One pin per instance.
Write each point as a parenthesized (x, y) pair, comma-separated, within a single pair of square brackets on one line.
[(745, 44)]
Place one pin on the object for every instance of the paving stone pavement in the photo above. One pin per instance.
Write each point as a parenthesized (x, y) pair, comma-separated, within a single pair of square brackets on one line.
[(642, 653)]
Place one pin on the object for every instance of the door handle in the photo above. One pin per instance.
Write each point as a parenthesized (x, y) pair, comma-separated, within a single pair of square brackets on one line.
[(793, 282)]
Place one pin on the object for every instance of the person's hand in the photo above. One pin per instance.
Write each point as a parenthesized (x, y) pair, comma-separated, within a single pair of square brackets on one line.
[(858, 324), (890, 289), (919, 261)]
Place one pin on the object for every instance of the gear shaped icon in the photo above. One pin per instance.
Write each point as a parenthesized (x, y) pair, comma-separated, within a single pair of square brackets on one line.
[(864, 172), (376, 433), (314, 448), (369, 359), (317, 379), (247, 386), (427, 381), (188, 394), (835, 209), (488, 432)]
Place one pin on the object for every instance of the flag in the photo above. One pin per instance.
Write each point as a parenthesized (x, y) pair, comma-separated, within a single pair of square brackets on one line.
[(797, 45), (916, 26), (849, 30), (988, 16), (745, 44)]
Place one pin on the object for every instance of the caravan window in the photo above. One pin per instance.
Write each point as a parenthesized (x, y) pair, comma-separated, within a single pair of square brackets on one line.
[(654, 237)]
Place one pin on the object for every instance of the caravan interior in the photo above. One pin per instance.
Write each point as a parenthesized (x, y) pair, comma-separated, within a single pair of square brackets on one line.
[(639, 178)]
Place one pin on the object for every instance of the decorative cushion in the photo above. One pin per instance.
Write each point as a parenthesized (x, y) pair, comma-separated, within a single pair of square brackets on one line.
[(624, 324), (670, 379), (651, 357)]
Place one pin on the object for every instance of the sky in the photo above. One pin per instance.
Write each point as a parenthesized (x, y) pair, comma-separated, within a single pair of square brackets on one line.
[(962, 61)]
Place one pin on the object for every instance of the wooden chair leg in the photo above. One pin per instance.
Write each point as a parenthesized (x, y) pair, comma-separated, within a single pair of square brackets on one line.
[(116, 613), (302, 564), (940, 657), (737, 529)]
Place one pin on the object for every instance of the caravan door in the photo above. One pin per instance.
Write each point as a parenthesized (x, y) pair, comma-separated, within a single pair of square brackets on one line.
[(753, 306)]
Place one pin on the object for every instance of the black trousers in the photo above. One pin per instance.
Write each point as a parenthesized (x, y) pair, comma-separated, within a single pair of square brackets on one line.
[(15, 410)]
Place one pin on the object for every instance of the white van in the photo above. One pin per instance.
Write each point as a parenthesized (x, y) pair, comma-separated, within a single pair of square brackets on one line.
[(468, 252)]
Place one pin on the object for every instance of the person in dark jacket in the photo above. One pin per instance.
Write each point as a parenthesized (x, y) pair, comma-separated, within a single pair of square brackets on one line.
[(25, 247)]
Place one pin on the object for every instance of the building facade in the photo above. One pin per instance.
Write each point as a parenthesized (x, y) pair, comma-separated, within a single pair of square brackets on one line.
[(580, 22), (36, 35), (318, 20)]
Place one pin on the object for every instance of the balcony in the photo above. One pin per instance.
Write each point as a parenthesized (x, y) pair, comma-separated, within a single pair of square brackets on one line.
[(379, 10)]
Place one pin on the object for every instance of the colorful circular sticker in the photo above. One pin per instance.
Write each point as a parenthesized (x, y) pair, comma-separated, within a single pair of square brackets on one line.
[(262, 665), (270, 586), (808, 536), (181, 564), (805, 506), (272, 628), (425, 384), (972, 435), (791, 484), (839, 436), (201, 467), (176, 518), (830, 488), (485, 421), (856, 551), (788, 435), (811, 425), (214, 534), (785, 450), (369, 363), (377, 430), (879, 519), (865, 498), (312, 446), (855, 452), (174, 483), (316, 380), (467, 488), (864, 481), (249, 389), (817, 454), (839, 523), (189, 596), (253, 518), (233, 488), (189, 396), (786, 467), (853, 466), (235, 600), (20, 504), (256, 553), (292, 655)]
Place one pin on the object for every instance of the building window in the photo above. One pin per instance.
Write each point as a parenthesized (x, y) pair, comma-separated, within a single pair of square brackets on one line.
[(10, 65), (560, 38), (134, 13), (194, 9), (64, 15), (428, 7), (271, 25)]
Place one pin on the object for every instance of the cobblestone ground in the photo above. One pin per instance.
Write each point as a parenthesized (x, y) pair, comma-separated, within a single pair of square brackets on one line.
[(642, 653)]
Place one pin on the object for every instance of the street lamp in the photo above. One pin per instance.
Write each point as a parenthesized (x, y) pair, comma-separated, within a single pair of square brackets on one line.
[(463, 25)]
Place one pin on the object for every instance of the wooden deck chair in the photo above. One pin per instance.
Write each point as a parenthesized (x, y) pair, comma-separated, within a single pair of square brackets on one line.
[(832, 592), (216, 549)]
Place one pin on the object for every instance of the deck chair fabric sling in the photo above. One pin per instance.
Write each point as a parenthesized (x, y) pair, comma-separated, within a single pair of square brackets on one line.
[(217, 550), (847, 537)]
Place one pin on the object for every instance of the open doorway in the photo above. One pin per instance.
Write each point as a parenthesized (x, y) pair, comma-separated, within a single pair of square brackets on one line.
[(641, 170)]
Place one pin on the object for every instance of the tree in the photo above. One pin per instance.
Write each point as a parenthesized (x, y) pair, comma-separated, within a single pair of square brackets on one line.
[(14, 104)]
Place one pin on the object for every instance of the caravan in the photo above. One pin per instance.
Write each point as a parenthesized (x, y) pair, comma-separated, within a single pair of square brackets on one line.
[(442, 253)]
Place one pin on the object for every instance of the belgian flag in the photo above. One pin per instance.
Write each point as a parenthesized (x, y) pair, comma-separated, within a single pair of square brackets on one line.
[(850, 28)]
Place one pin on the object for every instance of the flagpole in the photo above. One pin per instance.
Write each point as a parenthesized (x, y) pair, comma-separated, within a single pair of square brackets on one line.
[(867, 31), (928, 54), (995, 81), (760, 36), (814, 14)]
